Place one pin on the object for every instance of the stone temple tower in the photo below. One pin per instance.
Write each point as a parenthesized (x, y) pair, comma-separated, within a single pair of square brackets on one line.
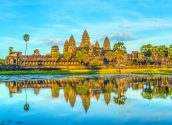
[(85, 43), (36, 52), (71, 45), (55, 52), (106, 45), (97, 45), (65, 48)]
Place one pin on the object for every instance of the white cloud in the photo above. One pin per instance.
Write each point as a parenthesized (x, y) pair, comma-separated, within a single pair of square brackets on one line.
[(52, 42), (126, 36), (146, 24)]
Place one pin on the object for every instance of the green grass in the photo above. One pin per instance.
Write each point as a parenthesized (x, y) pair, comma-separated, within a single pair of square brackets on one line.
[(164, 71), (108, 71), (46, 72)]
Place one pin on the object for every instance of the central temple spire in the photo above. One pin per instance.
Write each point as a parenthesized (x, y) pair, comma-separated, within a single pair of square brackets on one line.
[(85, 43)]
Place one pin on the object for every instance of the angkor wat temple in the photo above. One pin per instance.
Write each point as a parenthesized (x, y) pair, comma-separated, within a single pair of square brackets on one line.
[(57, 60), (61, 61)]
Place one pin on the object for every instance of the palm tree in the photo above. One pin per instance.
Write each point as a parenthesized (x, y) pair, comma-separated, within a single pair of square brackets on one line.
[(26, 106), (26, 38), (10, 50)]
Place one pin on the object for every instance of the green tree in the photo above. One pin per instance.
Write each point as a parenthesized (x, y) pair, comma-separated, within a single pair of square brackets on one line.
[(26, 107), (147, 92), (170, 52), (68, 56), (10, 50), (82, 56), (160, 54), (120, 97), (140, 57), (155, 53), (147, 51), (120, 54), (94, 63), (109, 56), (2, 61), (119, 46), (164, 55)]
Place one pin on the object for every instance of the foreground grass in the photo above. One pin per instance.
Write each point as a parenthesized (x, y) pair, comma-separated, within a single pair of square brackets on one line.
[(108, 71)]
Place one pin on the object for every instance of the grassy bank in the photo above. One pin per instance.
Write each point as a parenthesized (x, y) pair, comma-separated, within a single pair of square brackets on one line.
[(108, 71)]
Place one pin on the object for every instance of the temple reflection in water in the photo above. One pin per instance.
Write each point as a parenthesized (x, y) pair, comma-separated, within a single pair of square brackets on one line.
[(87, 88)]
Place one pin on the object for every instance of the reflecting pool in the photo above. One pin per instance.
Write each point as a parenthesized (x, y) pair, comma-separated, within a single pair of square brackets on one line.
[(86, 100)]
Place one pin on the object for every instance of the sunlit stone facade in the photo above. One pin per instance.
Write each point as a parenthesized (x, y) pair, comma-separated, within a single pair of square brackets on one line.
[(106, 45), (57, 60), (69, 59)]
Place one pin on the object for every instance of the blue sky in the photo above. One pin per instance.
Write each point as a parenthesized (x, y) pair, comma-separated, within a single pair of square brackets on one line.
[(135, 22)]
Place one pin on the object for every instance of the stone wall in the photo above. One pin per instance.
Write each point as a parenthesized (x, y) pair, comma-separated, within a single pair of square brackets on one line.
[(9, 67)]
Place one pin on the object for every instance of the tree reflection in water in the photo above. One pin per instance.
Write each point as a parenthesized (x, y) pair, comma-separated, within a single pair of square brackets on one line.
[(26, 106), (147, 91), (88, 88)]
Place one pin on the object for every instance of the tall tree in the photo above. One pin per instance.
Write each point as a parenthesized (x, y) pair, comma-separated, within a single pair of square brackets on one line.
[(120, 54), (147, 51), (26, 38), (10, 50), (119, 46), (163, 55)]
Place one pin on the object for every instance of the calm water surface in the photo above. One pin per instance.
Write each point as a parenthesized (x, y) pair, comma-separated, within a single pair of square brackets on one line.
[(86, 100)]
